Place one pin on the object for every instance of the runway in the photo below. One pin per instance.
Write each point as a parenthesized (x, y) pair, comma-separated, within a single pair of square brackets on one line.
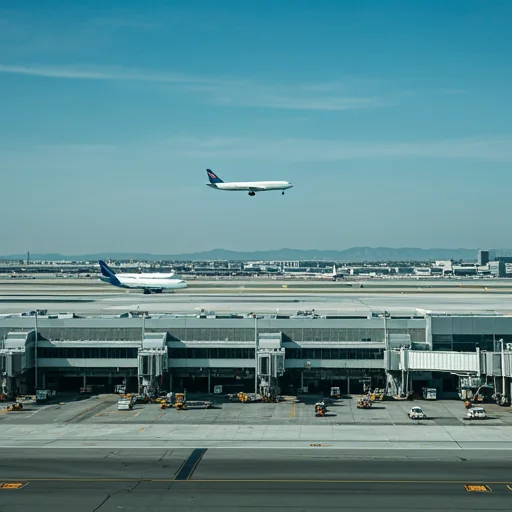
[(89, 297), (215, 480)]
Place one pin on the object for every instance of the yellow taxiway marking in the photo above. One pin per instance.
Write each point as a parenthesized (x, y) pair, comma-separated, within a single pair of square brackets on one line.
[(12, 485), (293, 410), (141, 429), (509, 487), (477, 488)]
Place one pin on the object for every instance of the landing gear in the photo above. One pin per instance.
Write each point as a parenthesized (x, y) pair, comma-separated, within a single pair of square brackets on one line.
[(251, 193), (282, 193), (148, 291)]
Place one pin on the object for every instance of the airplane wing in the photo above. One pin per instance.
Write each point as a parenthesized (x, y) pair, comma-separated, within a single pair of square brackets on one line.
[(257, 189)]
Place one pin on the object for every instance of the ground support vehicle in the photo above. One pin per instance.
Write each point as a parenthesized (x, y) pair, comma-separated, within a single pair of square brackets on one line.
[(476, 413), (416, 413), (320, 409), (364, 403), (16, 406)]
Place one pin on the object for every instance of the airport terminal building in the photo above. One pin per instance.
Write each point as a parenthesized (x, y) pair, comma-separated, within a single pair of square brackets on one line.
[(304, 352)]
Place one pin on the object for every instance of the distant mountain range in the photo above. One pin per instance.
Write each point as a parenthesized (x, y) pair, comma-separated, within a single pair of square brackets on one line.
[(355, 254)]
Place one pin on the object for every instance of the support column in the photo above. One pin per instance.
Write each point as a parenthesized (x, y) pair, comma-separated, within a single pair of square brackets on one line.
[(503, 388), (387, 354), (256, 354), (209, 381), (36, 361), (84, 380), (348, 384)]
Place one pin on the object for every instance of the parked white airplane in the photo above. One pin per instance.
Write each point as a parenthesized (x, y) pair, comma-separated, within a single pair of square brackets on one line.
[(333, 276), (149, 283), (251, 186)]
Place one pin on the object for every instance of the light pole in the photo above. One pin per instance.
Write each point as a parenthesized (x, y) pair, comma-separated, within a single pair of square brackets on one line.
[(35, 356), (386, 330), (386, 349), (139, 361)]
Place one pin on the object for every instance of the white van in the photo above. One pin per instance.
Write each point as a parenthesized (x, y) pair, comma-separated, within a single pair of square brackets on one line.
[(476, 413), (124, 404)]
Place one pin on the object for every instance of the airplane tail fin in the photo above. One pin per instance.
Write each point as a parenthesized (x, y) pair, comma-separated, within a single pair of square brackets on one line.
[(213, 177), (106, 271), (108, 274)]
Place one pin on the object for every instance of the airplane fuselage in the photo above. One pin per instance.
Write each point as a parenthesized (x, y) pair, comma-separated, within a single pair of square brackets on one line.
[(148, 275), (252, 186), (143, 283)]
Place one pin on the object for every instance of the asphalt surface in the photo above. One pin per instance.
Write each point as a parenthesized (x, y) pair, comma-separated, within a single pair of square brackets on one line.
[(102, 409), (195, 479), (84, 297)]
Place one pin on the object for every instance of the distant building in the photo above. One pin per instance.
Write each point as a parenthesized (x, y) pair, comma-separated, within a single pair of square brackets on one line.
[(497, 268), (483, 258), (465, 269), (404, 270), (422, 271), (445, 267)]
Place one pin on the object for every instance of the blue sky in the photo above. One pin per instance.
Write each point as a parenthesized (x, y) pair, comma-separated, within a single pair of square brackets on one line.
[(391, 118)]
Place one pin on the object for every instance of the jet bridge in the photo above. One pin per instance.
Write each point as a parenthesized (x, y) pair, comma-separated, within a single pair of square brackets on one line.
[(152, 362), (270, 363), (15, 360)]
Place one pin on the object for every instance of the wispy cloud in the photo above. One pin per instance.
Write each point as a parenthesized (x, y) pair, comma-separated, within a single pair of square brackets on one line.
[(83, 148), (26, 32), (82, 73), (293, 98), (223, 91), (128, 23), (487, 148), (287, 150), (453, 91)]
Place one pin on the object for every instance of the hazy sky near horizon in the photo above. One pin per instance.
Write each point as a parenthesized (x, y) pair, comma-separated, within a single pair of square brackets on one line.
[(392, 120)]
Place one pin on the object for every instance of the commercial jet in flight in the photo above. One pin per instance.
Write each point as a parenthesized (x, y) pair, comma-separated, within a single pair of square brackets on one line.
[(149, 283), (249, 186)]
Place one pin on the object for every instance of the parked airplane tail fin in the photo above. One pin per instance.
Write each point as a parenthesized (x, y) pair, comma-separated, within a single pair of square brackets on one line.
[(106, 270), (213, 177)]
